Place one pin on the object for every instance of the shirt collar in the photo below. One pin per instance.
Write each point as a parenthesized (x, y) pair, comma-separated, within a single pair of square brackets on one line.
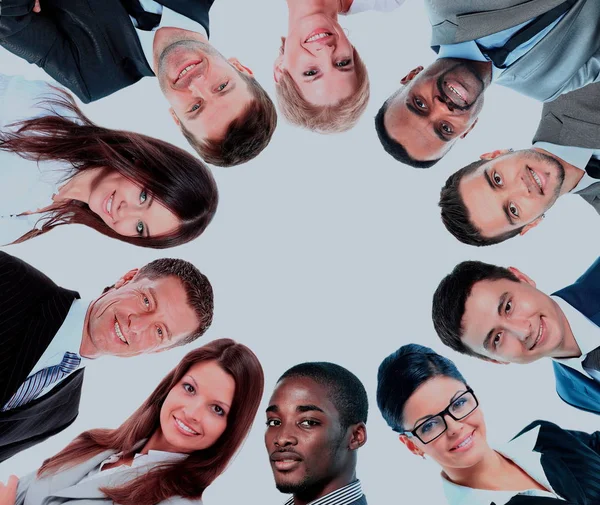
[(152, 457), (585, 332), (342, 496), (464, 50), (71, 331)]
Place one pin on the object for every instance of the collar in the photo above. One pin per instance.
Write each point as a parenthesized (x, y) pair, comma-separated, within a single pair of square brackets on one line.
[(521, 451), (464, 50), (342, 496), (144, 459), (70, 333), (586, 333)]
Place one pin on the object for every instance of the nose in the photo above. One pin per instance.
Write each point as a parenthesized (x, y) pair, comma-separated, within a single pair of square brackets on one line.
[(194, 412), (196, 86), (127, 209), (454, 427), (284, 438), (328, 47), (136, 324), (521, 328)]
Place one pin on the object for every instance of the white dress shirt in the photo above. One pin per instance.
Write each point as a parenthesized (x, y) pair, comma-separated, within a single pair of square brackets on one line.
[(576, 156), (520, 451), (168, 18), (25, 185), (586, 333), (342, 496), (374, 5)]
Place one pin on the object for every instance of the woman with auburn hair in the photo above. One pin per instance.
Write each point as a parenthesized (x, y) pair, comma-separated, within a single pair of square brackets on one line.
[(61, 168), (171, 448), (423, 397)]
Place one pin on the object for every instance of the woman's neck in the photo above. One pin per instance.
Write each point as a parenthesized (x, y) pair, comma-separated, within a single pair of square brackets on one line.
[(298, 9), (483, 475), (79, 187)]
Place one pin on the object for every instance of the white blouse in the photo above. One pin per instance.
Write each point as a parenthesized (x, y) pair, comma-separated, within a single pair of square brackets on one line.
[(374, 5), (25, 185)]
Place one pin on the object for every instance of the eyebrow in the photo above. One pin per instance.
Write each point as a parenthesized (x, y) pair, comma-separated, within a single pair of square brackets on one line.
[(299, 408), (154, 295), (315, 78), (196, 385), (429, 416), (418, 112), (488, 337), (272, 408), (146, 227)]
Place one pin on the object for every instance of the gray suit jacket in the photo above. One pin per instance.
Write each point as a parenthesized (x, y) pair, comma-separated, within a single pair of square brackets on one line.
[(573, 119), (567, 58), (65, 486)]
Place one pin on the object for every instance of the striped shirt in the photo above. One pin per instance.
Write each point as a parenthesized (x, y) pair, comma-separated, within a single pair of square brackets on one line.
[(342, 496)]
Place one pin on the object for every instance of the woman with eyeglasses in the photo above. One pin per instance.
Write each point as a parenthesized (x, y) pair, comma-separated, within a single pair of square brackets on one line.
[(58, 168), (423, 397)]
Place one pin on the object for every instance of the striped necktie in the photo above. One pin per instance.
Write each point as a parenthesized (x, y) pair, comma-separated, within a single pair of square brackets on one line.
[(591, 364), (35, 383)]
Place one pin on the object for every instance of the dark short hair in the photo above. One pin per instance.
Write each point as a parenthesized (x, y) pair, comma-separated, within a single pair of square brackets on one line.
[(450, 297), (345, 390), (197, 287), (456, 216), (393, 148), (402, 372), (246, 136)]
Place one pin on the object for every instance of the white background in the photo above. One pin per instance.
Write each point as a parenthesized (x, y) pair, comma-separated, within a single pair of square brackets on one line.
[(323, 248)]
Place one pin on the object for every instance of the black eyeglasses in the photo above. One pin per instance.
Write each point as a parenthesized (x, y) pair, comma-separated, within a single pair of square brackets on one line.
[(435, 426)]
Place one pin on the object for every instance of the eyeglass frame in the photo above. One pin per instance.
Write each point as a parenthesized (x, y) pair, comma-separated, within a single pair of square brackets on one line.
[(442, 415)]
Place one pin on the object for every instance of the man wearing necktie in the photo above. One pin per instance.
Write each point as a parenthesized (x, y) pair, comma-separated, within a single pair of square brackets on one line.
[(49, 334), (506, 193), (539, 48), (97, 47), (498, 315)]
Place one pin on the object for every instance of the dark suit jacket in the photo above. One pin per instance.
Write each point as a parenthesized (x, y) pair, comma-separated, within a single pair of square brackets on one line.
[(32, 309), (573, 119), (571, 462), (572, 386), (89, 46)]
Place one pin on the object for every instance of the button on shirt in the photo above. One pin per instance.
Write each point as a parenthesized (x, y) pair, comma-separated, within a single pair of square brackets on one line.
[(586, 333), (520, 451), (343, 496), (168, 18), (470, 50)]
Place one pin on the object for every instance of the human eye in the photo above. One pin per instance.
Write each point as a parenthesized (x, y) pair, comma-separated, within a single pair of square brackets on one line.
[(222, 86), (427, 426), (188, 388), (497, 340), (195, 107), (447, 129), (159, 332), (343, 63), (143, 196), (497, 179), (218, 410), (309, 423), (146, 301), (309, 73), (139, 228), (420, 103), (273, 422), (459, 402), (508, 307), (512, 208)]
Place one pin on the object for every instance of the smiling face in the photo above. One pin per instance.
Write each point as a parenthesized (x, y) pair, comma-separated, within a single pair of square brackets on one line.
[(138, 315), (512, 321), (320, 59), (464, 443), (511, 191), (194, 414), (206, 92), (128, 208), (305, 441), (436, 107)]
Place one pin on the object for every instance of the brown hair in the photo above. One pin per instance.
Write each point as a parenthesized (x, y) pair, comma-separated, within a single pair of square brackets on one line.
[(246, 136), (323, 118), (189, 477), (180, 181)]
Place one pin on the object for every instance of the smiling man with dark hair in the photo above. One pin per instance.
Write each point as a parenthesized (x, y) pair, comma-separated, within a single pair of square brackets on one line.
[(315, 425)]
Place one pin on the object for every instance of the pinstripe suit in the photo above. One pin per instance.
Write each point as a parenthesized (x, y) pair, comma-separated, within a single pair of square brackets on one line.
[(32, 309)]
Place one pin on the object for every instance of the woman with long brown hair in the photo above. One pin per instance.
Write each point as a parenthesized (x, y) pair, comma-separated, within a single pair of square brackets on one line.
[(58, 167), (171, 448)]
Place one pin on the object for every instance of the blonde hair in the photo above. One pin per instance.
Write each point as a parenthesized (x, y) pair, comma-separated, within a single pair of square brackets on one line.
[(323, 118)]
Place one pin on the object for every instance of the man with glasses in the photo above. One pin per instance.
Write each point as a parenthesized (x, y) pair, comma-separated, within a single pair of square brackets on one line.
[(541, 49)]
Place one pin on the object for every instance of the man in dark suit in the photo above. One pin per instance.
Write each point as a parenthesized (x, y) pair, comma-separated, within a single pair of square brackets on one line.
[(97, 47), (48, 334), (498, 315), (315, 425), (506, 193), (540, 48)]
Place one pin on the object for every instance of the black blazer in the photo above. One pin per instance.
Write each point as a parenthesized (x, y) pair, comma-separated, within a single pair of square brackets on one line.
[(32, 309), (571, 462), (90, 46)]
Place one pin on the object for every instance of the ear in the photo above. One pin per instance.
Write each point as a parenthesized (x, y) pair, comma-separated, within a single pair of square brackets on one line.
[(411, 75), (358, 436), (278, 68), (533, 224), (494, 154), (241, 68), (470, 128), (521, 276), (410, 445), (174, 116), (126, 278)]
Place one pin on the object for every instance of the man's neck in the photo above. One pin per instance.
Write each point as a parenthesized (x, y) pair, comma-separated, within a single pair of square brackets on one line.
[(298, 9), (573, 174), (569, 347)]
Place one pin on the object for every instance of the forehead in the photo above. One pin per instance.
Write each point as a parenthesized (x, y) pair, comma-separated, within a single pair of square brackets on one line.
[(218, 113), (430, 398), (485, 205), (292, 392), (333, 87), (213, 380), (415, 133)]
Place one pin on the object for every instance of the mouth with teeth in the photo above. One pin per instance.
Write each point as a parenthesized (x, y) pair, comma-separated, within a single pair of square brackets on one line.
[(456, 92), (318, 36), (108, 204), (184, 428), (536, 179), (120, 333), (539, 336), (465, 444), (189, 67)]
